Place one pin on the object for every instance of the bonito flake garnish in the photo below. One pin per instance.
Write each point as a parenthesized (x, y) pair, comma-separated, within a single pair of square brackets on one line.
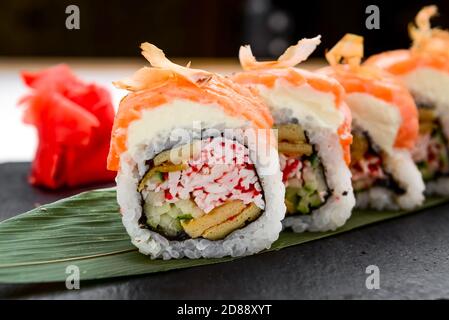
[(162, 70), (346, 57), (221, 172), (348, 50), (293, 56), (428, 40)]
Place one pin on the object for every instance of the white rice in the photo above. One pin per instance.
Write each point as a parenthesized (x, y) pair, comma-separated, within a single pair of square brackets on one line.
[(254, 237), (404, 171), (337, 209)]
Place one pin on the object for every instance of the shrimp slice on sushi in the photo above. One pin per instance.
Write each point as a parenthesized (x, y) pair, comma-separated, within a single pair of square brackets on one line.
[(424, 69), (385, 130), (198, 171), (313, 125)]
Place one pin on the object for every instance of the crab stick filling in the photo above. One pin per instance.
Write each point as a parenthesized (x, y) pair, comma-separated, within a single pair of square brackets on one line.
[(205, 189)]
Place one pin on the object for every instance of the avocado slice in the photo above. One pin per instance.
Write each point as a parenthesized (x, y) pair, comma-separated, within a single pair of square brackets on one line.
[(303, 206), (315, 200), (165, 167), (314, 160), (291, 199), (291, 194), (426, 173), (184, 217)]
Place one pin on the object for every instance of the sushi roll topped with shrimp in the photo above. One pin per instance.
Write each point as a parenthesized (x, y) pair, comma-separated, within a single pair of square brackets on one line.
[(314, 136), (424, 69), (198, 171), (385, 130)]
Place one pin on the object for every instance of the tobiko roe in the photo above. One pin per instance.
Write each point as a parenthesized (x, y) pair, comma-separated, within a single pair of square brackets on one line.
[(73, 121)]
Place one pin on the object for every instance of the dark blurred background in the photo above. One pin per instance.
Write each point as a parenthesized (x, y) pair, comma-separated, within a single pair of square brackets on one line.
[(199, 28)]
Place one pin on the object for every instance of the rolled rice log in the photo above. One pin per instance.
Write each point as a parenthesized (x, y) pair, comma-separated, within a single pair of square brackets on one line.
[(176, 197), (423, 69), (384, 175), (314, 136)]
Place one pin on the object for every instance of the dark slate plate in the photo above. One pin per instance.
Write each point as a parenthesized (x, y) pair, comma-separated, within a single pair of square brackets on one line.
[(412, 254)]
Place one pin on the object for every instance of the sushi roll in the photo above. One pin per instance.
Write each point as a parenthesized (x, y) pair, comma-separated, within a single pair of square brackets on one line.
[(385, 130), (198, 171), (424, 69), (314, 135)]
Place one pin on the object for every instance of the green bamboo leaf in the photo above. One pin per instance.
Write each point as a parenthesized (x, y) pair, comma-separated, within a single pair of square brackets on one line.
[(86, 230)]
